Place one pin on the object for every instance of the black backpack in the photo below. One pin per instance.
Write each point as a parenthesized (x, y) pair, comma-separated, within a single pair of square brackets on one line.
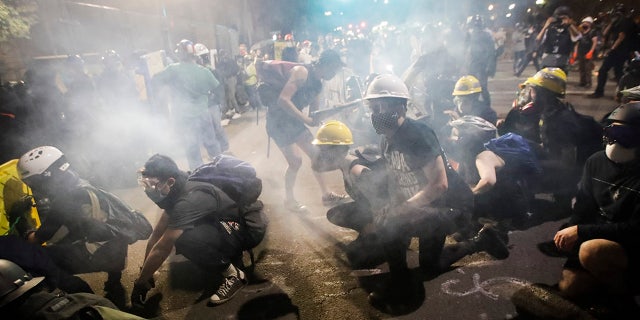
[(107, 207), (238, 180)]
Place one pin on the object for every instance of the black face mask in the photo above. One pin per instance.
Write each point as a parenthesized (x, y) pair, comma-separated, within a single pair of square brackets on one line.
[(384, 120)]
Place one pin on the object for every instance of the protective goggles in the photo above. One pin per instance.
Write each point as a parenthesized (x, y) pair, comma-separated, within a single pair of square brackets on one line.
[(626, 136), (149, 183)]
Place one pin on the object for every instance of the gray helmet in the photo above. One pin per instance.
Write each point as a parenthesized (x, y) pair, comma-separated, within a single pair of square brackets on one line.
[(14, 281), (386, 86)]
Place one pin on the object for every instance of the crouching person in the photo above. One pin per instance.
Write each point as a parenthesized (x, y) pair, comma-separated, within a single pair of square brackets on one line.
[(199, 220), (85, 229)]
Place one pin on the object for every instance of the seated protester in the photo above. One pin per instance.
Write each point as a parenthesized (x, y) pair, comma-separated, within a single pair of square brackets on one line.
[(466, 97), (85, 229), (601, 238), (427, 197), (567, 138), (199, 220), (23, 296), (364, 181), (504, 166)]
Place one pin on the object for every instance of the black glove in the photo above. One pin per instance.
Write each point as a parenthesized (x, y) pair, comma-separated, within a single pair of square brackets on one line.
[(140, 290)]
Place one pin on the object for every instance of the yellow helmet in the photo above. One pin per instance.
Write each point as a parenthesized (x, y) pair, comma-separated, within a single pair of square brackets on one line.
[(334, 133), (552, 79), (467, 85)]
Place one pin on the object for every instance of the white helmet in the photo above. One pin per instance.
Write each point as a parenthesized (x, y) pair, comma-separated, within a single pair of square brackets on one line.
[(39, 160), (386, 86), (200, 49)]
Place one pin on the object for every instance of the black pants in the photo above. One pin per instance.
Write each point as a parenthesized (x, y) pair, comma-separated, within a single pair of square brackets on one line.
[(212, 244), (352, 215), (615, 60), (430, 225)]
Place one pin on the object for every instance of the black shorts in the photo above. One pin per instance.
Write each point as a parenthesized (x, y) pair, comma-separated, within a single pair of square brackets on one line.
[(285, 129)]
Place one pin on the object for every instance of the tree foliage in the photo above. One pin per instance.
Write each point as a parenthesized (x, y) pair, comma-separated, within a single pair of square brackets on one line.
[(16, 18)]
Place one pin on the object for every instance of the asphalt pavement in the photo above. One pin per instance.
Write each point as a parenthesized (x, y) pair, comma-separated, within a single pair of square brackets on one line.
[(301, 270)]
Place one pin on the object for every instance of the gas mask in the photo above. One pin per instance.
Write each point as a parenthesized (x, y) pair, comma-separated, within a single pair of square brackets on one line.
[(619, 154), (384, 121), (464, 104), (153, 189)]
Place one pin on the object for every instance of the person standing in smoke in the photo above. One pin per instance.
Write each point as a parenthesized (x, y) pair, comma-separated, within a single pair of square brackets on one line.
[(294, 87), (480, 54), (216, 99), (191, 86)]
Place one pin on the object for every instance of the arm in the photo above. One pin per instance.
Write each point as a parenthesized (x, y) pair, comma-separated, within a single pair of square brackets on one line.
[(618, 41), (544, 28), (158, 231), (298, 77), (573, 30), (487, 163), (158, 254), (436, 184)]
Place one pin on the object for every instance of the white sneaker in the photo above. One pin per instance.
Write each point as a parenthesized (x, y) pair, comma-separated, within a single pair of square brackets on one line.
[(224, 122), (236, 116)]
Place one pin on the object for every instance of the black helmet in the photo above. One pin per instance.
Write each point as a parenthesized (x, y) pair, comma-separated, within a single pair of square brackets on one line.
[(628, 113), (14, 281), (562, 11)]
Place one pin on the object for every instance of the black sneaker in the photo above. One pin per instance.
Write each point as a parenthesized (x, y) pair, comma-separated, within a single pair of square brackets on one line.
[(489, 240), (595, 95), (230, 286)]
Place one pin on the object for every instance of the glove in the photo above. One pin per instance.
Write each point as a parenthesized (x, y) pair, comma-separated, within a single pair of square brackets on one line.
[(140, 290), (573, 58), (589, 55)]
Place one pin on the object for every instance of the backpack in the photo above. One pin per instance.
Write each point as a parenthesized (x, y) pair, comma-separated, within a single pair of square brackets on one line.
[(237, 178), (107, 207), (515, 149), (272, 76), (58, 305)]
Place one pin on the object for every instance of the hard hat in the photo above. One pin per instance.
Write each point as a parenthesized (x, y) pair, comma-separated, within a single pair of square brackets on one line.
[(628, 113), (288, 37), (386, 86), (14, 281), (588, 19), (552, 79), (467, 85), (200, 49), (39, 161), (334, 133)]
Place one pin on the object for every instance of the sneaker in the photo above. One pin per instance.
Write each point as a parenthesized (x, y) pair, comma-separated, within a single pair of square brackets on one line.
[(236, 116), (332, 199), (294, 206), (595, 95), (230, 286), (488, 239), (224, 122)]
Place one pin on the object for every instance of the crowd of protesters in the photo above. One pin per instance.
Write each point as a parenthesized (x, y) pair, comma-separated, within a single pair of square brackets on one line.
[(468, 163)]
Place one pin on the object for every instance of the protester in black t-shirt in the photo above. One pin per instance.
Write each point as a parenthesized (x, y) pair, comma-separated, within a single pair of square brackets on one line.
[(427, 197), (602, 237), (199, 220)]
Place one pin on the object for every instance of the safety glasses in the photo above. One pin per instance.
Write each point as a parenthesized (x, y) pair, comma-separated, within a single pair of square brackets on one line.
[(149, 183), (626, 136)]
